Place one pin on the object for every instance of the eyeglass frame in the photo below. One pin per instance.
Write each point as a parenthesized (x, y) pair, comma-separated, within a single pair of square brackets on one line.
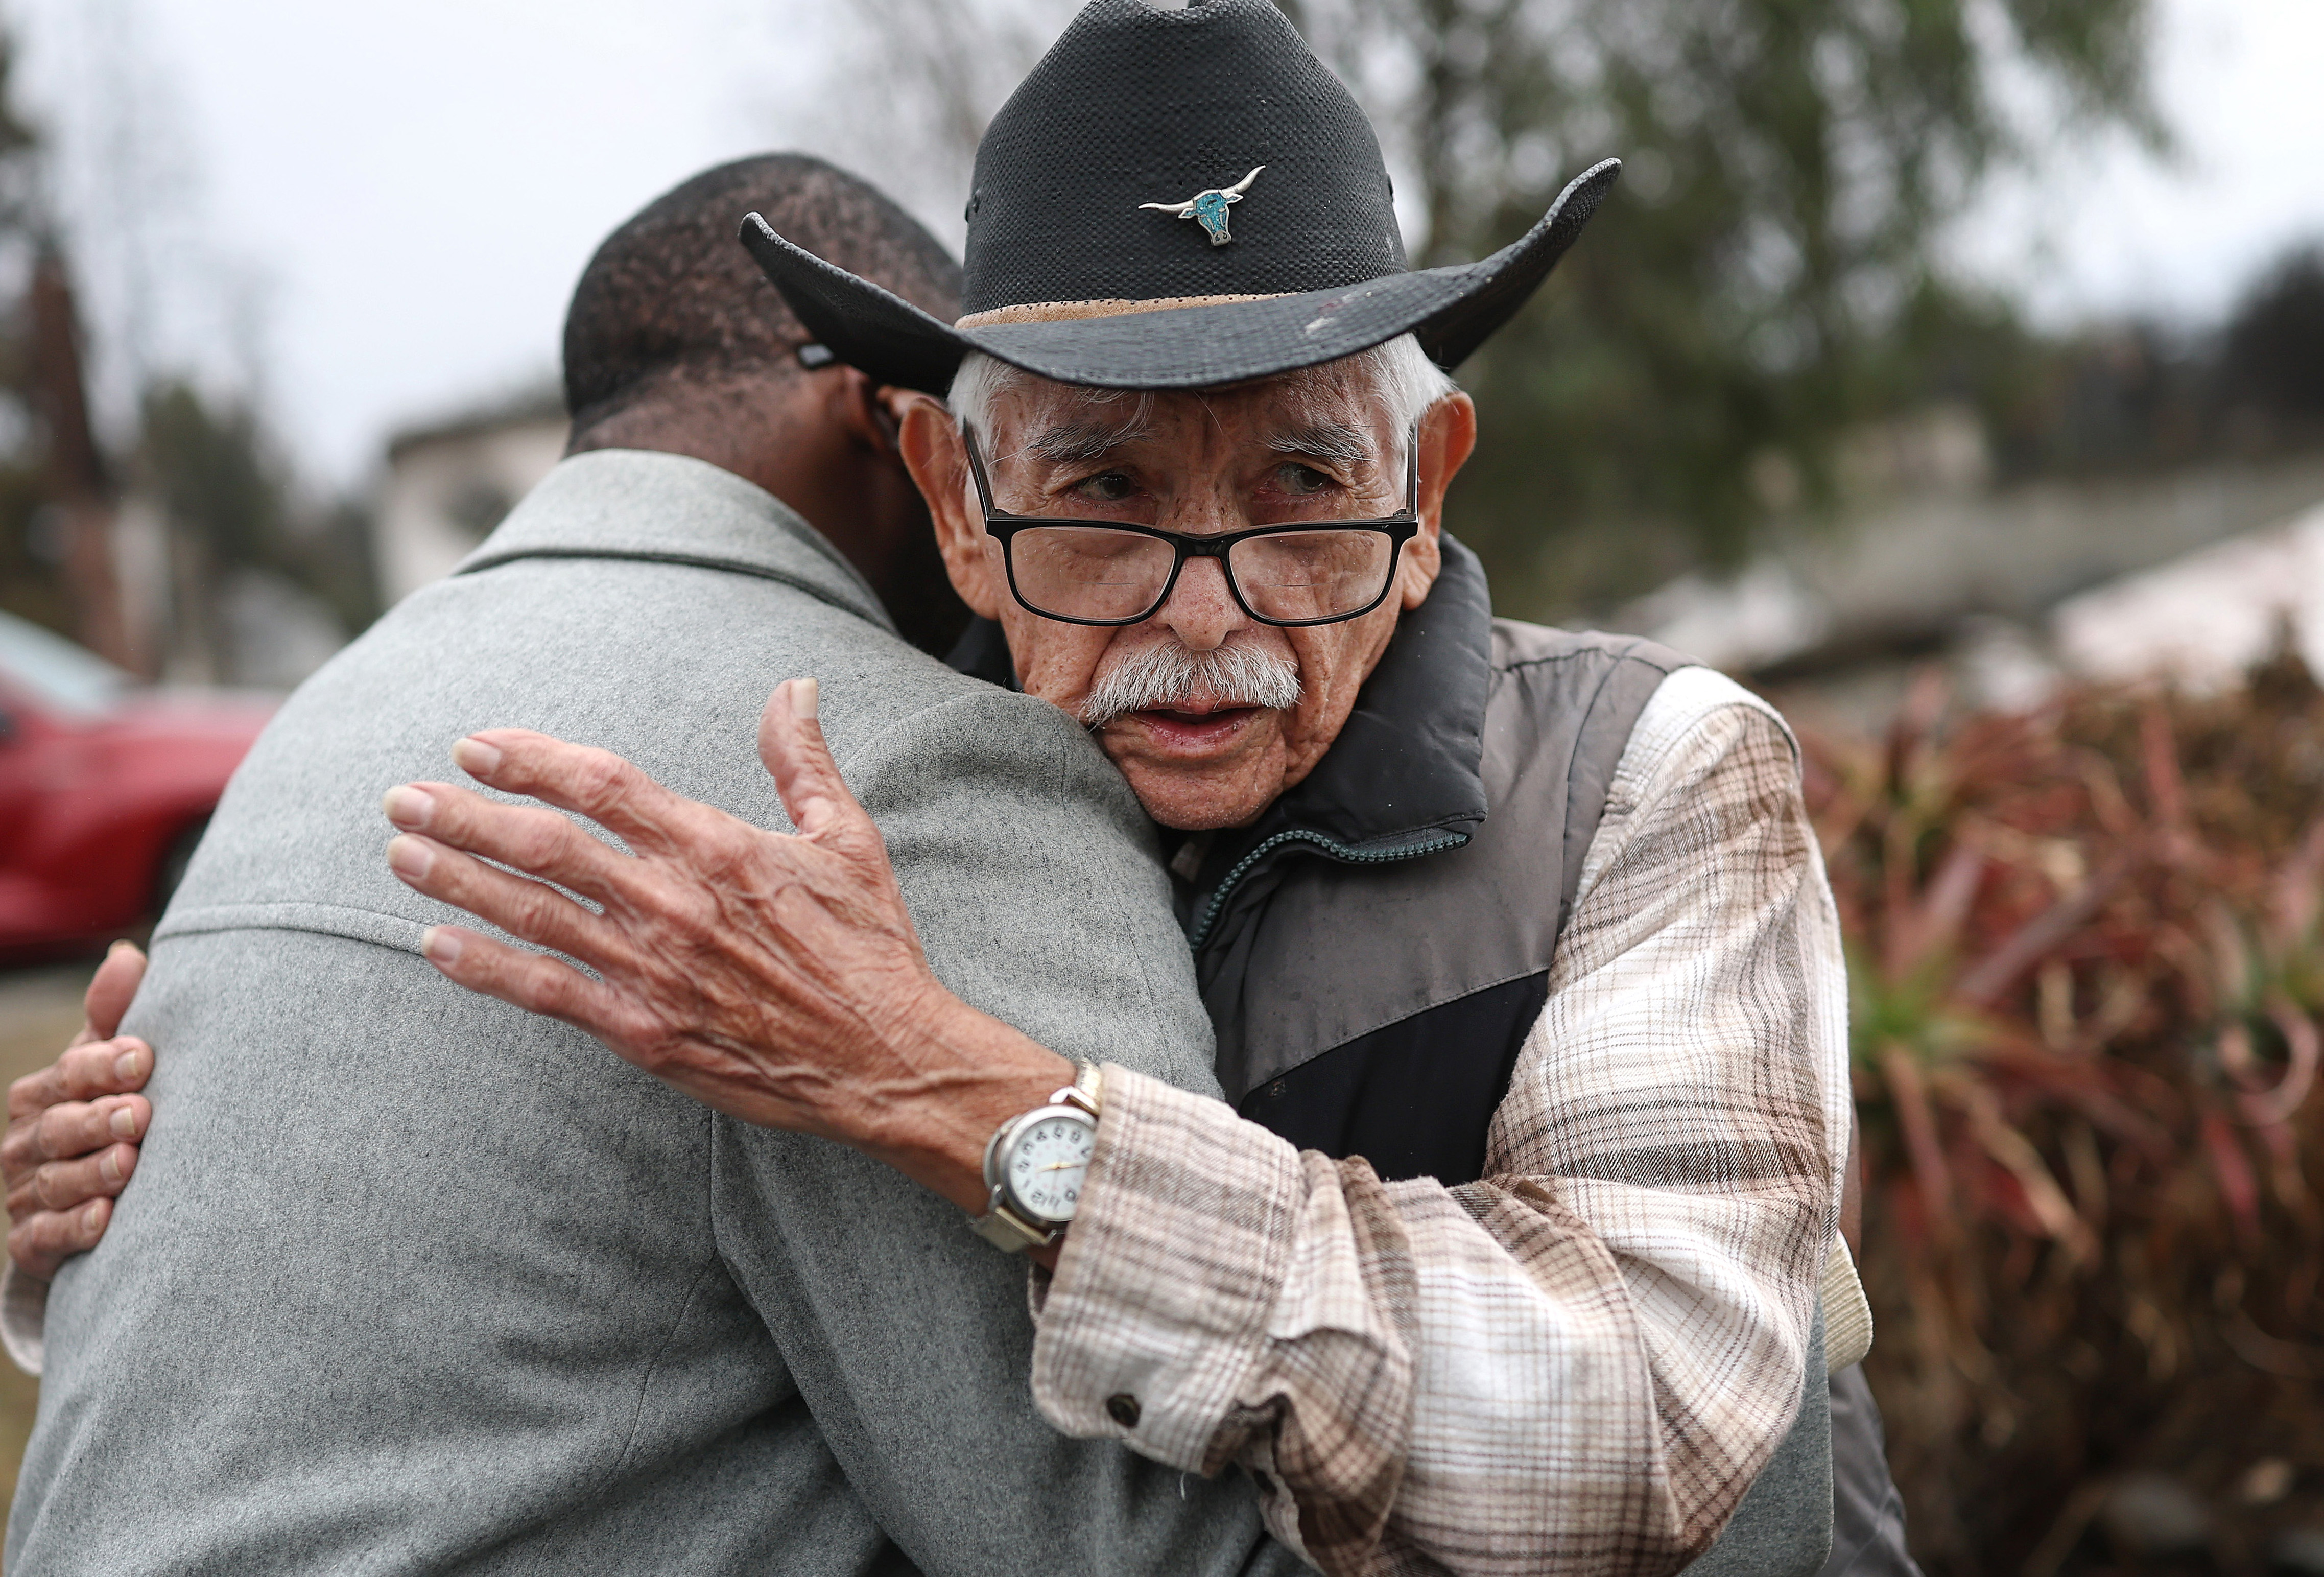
[(1399, 529)]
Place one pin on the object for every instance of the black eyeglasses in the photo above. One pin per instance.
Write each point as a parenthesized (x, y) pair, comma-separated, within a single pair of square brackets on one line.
[(1106, 572)]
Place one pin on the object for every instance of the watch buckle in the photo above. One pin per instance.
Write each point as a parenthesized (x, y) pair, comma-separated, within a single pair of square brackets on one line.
[(1006, 1231), (1086, 1091)]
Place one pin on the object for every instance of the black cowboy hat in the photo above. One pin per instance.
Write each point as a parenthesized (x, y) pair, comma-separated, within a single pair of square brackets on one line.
[(1174, 199)]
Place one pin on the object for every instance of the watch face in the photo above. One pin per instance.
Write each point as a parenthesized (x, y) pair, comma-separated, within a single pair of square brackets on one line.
[(1047, 1165)]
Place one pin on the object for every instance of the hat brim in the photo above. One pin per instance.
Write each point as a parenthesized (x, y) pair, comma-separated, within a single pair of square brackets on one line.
[(1452, 310)]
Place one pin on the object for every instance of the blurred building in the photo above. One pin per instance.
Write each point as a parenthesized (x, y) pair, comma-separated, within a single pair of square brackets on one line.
[(2015, 586), (2202, 621), (450, 484)]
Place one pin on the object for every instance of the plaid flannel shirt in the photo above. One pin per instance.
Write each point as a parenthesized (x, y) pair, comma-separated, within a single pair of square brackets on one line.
[(1579, 1363)]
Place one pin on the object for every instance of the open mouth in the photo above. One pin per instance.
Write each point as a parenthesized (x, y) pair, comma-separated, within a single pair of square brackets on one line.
[(1193, 727)]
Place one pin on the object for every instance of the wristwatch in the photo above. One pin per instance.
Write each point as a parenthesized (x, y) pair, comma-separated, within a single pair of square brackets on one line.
[(1035, 1164)]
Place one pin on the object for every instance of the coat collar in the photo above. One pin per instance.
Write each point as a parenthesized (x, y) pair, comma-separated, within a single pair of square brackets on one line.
[(670, 509)]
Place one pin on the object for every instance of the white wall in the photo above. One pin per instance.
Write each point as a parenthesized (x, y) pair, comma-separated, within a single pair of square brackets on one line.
[(435, 489)]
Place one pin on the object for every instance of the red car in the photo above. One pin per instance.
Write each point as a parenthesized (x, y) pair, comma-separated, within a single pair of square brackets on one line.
[(105, 788)]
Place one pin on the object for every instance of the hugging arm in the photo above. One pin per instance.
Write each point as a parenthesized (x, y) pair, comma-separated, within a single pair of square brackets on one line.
[(777, 977), (910, 1337)]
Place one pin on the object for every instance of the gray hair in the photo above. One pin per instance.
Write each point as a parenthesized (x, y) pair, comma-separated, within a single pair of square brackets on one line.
[(1403, 380)]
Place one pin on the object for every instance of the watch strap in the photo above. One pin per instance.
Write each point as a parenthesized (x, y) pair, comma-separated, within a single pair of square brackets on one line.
[(1009, 1232), (1087, 1091)]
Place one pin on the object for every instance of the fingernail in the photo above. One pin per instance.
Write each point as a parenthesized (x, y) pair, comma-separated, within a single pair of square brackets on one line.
[(803, 699), (128, 1064), (409, 858), (93, 1217), (439, 946), (110, 1164), (408, 807), (476, 758), (124, 1124), (113, 947)]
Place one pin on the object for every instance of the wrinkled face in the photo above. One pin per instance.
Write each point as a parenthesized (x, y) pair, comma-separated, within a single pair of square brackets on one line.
[(1209, 713)]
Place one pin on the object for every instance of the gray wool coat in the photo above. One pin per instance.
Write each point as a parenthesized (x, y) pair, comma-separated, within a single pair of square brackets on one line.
[(412, 1281)]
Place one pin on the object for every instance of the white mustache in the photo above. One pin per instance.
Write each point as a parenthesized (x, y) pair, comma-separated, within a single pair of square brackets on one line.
[(1170, 676)]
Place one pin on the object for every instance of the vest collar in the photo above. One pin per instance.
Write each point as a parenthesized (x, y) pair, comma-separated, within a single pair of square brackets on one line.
[(1406, 764), (1403, 780), (671, 509), (1404, 777)]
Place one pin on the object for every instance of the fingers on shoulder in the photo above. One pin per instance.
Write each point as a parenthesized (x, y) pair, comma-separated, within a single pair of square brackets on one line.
[(531, 837), (608, 788), (41, 1242), (112, 989), (531, 980), (73, 1129), (84, 1073), (66, 1186)]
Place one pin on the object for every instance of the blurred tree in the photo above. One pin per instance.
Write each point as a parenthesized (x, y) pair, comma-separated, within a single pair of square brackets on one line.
[(210, 470), (227, 504), (33, 545), (232, 508), (1764, 277), (2143, 395), (77, 479), (2273, 357)]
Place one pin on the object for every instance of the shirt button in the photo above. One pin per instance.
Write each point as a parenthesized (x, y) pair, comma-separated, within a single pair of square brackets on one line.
[(1122, 1409)]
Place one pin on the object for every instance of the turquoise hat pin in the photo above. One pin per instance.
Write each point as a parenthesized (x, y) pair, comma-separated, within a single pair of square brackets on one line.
[(1209, 208)]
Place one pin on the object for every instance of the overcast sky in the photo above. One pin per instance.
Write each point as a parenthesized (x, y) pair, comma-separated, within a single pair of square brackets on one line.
[(381, 208)]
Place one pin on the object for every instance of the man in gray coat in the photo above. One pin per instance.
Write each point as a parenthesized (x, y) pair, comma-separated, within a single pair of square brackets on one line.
[(412, 1281)]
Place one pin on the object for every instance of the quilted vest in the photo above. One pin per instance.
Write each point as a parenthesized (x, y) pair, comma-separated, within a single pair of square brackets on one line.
[(1371, 1002)]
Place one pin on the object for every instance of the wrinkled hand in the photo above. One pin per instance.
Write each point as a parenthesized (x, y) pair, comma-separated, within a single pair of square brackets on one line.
[(74, 1127), (774, 977)]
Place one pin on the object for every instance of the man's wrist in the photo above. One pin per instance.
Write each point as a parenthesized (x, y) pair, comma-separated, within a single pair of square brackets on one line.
[(968, 1073)]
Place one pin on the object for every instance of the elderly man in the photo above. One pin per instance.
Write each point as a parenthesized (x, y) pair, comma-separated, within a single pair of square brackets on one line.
[(1536, 922)]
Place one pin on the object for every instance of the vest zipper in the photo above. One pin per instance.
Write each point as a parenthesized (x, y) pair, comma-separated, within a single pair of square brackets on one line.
[(1338, 850)]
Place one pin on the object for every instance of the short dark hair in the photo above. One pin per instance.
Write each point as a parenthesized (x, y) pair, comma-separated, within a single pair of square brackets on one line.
[(672, 298)]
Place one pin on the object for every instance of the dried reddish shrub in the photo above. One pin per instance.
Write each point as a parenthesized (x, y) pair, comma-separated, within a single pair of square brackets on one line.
[(2088, 977)]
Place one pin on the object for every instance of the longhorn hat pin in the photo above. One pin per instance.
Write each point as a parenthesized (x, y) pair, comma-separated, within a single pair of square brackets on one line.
[(1210, 206)]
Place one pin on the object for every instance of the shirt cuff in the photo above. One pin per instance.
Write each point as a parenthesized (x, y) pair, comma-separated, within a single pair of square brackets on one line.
[(1847, 1316), (1159, 1310), (24, 1318)]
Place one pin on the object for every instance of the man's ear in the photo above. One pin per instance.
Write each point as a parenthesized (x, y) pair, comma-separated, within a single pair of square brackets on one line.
[(1447, 438), (864, 411), (930, 440)]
